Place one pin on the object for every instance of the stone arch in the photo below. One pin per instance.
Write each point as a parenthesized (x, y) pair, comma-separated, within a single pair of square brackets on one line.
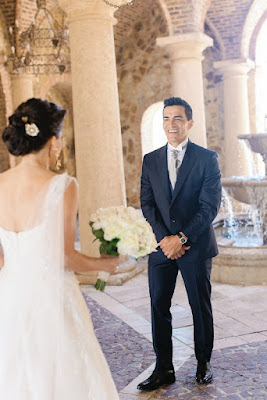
[(255, 18), (211, 30), (152, 133), (167, 16), (188, 16), (201, 9), (253, 41), (229, 19), (259, 75)]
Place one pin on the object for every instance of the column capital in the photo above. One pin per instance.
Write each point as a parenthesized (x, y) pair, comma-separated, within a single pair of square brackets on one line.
[(78, 10), (233, 68), (186, 45)]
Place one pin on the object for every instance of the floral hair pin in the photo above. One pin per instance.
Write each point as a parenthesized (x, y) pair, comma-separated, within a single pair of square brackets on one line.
[(30, 129)]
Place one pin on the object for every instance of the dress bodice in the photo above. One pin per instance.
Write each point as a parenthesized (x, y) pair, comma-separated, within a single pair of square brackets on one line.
[(31, 247)]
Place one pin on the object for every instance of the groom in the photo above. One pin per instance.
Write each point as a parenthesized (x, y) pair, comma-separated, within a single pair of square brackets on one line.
[(180, 197)]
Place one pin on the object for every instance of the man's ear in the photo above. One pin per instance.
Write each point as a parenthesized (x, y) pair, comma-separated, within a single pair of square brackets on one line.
[(190, 124)]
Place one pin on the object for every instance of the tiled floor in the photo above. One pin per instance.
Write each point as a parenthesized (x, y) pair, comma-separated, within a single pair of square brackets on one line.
[(240, 317)]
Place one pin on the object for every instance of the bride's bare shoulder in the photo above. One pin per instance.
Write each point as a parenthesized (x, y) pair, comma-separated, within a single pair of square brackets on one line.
[(24, 181), (7, 177), (4, 175)]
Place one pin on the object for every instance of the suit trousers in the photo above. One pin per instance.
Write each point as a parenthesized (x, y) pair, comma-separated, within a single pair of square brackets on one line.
[(162, 274)]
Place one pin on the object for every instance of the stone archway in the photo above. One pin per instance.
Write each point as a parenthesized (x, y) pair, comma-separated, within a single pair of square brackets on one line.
[(152, 133), (253, 46), (255, 18), (261, 80)]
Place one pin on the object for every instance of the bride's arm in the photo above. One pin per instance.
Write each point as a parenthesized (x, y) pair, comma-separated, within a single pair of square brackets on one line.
[(74, 260)]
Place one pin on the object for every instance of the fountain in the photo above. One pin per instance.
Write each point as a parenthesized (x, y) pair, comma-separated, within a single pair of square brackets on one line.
[(243, 247)]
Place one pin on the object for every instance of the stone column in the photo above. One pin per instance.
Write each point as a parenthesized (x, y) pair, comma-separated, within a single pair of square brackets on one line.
[(260, 71), (236, 114), (98, 145), (187, 79), (22, 88)]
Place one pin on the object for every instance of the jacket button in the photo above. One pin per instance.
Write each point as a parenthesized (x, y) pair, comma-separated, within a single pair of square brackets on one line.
[(173, 221)]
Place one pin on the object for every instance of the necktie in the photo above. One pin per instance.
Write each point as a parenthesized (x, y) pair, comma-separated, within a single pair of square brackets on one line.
[(174, 166)]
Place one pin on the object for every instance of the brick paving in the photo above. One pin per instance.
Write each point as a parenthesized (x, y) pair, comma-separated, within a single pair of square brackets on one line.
[(240, 372), (127, 352)]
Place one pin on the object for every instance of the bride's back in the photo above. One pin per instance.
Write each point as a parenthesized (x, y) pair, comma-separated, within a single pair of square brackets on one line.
[(19, 190)]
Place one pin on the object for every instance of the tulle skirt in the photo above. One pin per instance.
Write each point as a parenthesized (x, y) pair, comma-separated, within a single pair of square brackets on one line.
[(46, 354)]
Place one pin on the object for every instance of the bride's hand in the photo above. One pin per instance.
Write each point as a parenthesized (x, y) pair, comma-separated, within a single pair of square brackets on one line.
[(109, 263)]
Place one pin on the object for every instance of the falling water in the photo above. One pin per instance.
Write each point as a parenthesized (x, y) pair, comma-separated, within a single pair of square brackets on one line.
[(228, 209), (245, 228), (253, 171)]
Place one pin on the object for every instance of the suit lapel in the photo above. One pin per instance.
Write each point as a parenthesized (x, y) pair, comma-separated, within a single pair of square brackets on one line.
[(163, 174), (187, 164)]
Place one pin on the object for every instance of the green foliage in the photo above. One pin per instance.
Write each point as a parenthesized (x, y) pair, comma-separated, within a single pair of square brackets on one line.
[(100, 285), (105, 247)]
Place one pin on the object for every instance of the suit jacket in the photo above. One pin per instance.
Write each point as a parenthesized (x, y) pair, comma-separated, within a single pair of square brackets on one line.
[(191, 206)]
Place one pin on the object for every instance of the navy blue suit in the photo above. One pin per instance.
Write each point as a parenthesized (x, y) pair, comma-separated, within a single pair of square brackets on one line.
[(189, 208)]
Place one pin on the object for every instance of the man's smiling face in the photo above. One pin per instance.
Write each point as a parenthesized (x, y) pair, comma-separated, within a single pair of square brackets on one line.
[(176, 125)]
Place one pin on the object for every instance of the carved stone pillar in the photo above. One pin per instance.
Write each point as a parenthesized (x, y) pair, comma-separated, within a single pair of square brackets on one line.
[(97, 131), (236, 114)]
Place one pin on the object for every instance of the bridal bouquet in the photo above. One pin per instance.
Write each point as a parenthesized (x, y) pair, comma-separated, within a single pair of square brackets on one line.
[(121, 230)]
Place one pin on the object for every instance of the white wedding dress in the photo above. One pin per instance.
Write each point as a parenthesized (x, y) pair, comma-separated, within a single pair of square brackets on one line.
[(48, 349)]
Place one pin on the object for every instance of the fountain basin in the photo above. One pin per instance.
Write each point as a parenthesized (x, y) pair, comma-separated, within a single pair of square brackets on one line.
[(240, 265), (245, 189), (256, 141)]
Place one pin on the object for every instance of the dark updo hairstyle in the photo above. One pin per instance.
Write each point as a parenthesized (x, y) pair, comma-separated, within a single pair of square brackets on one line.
[(48, 117)]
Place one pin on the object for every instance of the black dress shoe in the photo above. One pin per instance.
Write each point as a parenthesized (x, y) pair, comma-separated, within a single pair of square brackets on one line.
[(157, 379), (204, 373)]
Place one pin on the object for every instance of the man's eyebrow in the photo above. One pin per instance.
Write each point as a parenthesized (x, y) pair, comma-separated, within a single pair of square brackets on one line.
[(175, 116)]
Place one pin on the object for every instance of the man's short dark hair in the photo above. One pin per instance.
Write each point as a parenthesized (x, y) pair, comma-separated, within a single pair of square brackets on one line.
[(177, 101)]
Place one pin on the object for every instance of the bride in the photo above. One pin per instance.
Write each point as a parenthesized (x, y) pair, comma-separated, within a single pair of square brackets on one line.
[(48, 349)]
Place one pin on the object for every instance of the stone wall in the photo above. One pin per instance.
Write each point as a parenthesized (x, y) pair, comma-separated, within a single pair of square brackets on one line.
[(143, 78), (213, 97)]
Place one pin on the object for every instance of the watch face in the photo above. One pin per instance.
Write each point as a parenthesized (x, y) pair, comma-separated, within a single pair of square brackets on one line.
[(183, 240)]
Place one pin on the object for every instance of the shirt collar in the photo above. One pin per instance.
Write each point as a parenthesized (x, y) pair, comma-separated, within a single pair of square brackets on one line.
[(180, 147)]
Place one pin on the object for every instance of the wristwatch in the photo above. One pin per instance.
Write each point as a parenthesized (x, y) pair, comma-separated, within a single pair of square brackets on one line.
[(183, 240)]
